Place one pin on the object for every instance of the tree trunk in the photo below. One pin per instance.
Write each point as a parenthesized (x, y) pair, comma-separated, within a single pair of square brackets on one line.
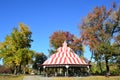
[(107, 67), (19, 68), (15, 70), (24, 70)]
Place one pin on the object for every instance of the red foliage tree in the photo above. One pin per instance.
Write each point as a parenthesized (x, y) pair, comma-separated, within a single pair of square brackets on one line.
[(58, 37), (98, 29)]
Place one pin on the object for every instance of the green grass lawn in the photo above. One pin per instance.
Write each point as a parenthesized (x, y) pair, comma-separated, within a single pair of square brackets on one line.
[(11, 77), (87, 78)]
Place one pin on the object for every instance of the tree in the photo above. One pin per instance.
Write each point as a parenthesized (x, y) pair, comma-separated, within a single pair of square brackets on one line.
[(4, 69), (99, 30), (26, 57), (58, 37), (39, 59), (117, 56), (15, 49)]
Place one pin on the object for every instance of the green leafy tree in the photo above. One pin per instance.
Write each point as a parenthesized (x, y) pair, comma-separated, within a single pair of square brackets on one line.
[(15, 49), (39, 59), (95, 69), (26, 57)]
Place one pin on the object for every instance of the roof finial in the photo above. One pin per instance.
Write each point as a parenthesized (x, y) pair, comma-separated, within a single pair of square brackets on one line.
[(65, 44)]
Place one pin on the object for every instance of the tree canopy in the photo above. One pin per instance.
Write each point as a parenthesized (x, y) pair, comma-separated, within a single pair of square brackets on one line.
[(15, 49), (100, 30), (58, 37), (39, 58)]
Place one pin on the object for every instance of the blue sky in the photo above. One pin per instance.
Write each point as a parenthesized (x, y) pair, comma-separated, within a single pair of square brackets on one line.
[(46, 16)]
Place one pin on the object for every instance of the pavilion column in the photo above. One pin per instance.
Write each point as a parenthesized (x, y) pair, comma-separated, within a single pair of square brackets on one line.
[(55, 72), (39, 70), (45, 71), (88, 70), (67, 73)]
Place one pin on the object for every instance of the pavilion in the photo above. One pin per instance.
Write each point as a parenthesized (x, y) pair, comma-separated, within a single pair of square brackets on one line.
[(65, 63)]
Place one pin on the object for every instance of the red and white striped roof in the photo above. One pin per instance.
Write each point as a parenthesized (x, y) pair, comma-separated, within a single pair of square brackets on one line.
[(64, 55)]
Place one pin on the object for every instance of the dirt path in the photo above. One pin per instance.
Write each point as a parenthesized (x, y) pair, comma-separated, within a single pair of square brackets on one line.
[(31, 78), (38, 77), (35, 77)]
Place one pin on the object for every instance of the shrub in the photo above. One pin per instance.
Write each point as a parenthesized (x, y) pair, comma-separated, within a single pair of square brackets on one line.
[(4, 69)]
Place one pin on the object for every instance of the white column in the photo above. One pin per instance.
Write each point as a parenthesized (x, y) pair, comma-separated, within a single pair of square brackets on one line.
[(45, 71), (67, 66)]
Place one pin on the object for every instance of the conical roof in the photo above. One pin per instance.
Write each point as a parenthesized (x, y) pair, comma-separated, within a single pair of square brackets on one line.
[(64, 55)]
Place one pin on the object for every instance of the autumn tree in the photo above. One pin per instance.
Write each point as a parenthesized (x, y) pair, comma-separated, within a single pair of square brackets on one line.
[(98, 30), (15, 50), (58, 37)]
